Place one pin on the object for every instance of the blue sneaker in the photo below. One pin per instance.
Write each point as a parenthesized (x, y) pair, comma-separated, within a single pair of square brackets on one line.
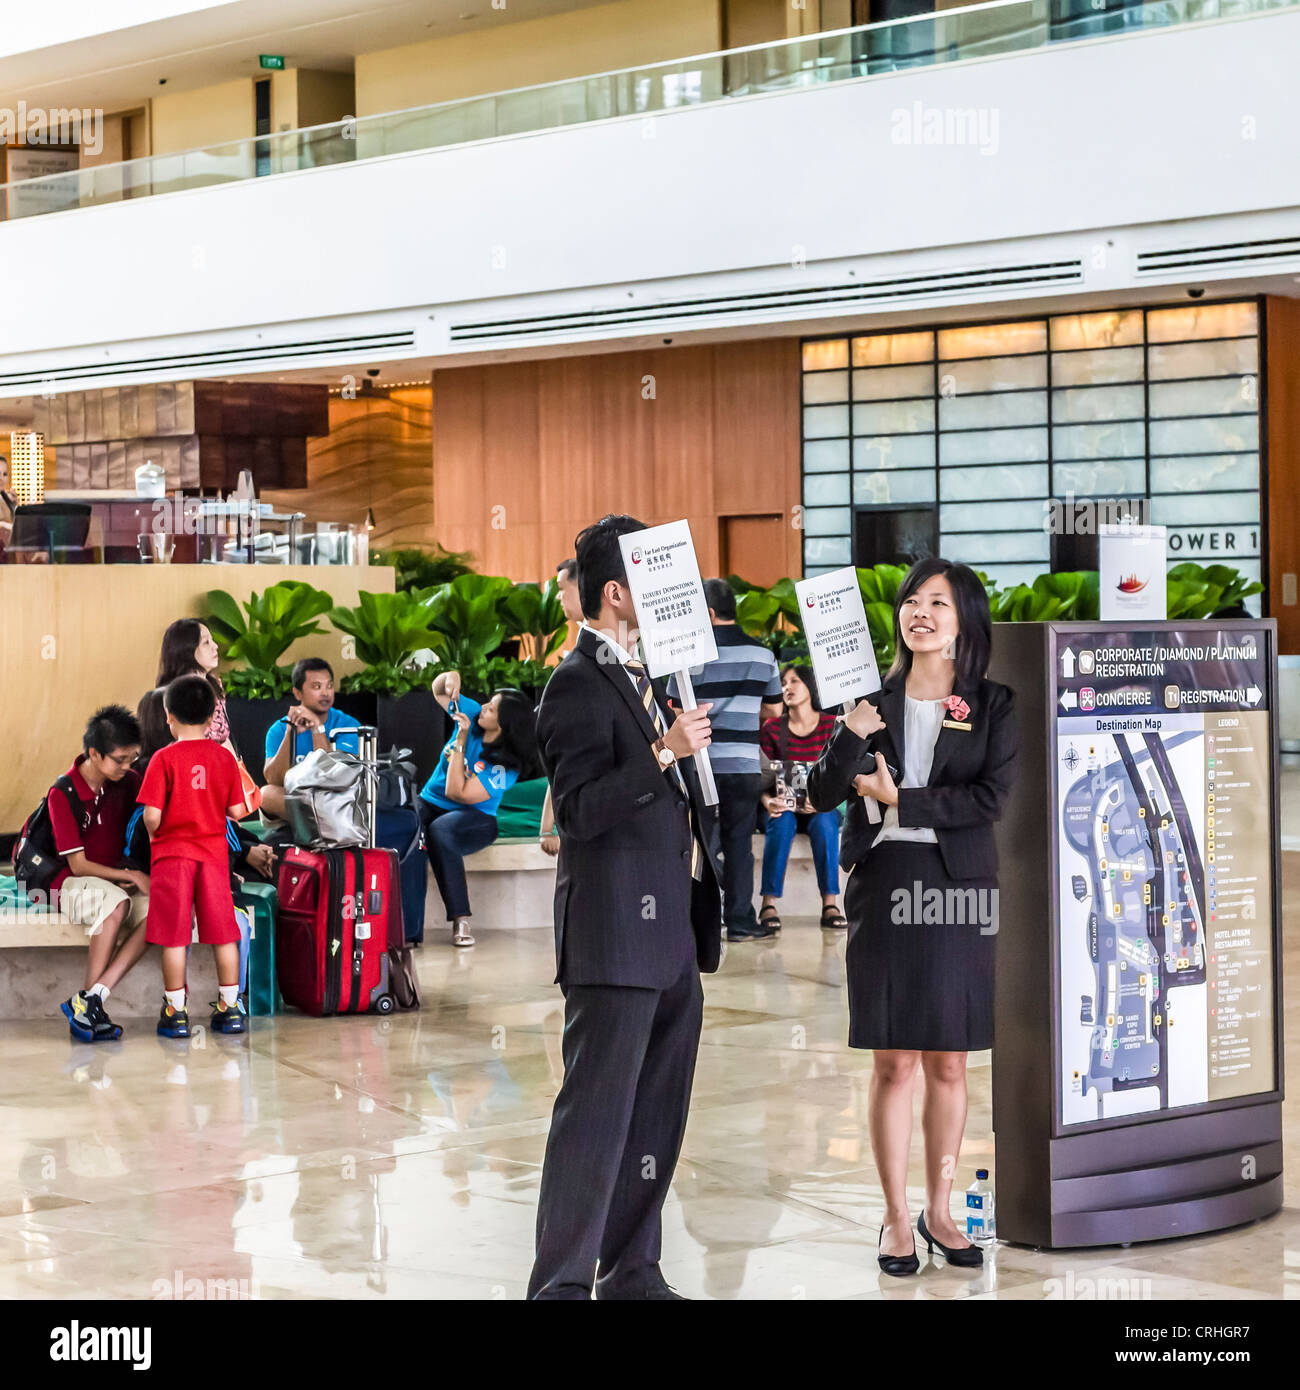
[(173, 1023), (229, 1018), (105, 1030), (77, 1011)]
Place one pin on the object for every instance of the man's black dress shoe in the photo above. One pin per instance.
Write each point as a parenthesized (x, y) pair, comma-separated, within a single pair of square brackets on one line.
[(631, 1293), (971, 1257)]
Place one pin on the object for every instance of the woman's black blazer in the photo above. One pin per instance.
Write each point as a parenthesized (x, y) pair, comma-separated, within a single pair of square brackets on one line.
[(970, 778)]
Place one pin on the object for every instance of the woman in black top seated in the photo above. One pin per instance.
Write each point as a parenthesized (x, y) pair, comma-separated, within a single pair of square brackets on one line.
[(934, 750)]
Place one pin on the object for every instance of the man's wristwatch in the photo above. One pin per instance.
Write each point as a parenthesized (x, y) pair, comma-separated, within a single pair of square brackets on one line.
[(664, 755)]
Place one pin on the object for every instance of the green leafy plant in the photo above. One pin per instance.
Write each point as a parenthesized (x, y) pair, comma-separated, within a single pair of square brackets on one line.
[(1070, 595), (466, 612), (487, 676), (770, 614), (250, 683), (268, 624), (535, 615), (387, 679), (1233, 588), (879, 585), (388, 629), (417, 567)]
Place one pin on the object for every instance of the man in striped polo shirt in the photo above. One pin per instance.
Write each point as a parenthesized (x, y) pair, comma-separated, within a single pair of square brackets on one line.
[(743, 687)]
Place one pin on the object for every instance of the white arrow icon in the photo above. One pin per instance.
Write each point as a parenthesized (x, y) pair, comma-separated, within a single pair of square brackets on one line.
[(1254, 694), (1067, 663), (1069, 699)]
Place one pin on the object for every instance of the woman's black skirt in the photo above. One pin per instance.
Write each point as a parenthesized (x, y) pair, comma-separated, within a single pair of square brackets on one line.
[(919, 959)]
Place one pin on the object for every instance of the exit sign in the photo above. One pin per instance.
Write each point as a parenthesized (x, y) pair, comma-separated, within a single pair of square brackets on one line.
[(271, 60)]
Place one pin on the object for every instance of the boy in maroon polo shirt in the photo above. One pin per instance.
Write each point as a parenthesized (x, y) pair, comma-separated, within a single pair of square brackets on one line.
[(191, 786), (94, 888)]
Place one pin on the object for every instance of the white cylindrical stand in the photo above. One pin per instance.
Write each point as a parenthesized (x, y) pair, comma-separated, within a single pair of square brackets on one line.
[(702, 764)]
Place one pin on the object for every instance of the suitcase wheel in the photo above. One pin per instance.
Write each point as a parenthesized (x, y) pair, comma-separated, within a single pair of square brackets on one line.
[(384, 1004)]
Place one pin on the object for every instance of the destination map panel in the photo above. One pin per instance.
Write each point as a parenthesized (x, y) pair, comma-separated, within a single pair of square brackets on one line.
[(1164, 839)]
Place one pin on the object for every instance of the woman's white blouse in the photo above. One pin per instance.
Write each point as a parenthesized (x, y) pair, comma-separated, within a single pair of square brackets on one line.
[(921, 724)]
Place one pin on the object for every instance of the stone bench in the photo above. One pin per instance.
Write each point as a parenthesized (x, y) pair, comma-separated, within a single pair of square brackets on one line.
[(511, 886)]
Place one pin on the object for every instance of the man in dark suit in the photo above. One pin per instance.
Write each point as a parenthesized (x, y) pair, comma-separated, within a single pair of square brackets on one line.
[(637, 917)]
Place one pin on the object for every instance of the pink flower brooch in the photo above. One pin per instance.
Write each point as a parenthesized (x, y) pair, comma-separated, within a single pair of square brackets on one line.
[(957, 708)]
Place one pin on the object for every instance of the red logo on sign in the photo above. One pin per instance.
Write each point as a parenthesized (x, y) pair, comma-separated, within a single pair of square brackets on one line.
[(1131, 584), (1087, 698), (636, 557)]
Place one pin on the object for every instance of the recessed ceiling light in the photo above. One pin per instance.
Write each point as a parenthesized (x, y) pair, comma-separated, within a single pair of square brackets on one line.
[(469, 14)]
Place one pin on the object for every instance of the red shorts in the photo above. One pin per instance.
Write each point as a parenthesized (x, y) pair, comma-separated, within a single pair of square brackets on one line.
[(182, 890)]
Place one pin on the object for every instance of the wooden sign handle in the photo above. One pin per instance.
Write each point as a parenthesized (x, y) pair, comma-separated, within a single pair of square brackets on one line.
[(702, 764), (870, 804)]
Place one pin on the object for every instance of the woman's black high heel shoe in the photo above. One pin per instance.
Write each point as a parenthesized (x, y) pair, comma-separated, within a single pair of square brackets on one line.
[(971, 1257), (896, 1264)]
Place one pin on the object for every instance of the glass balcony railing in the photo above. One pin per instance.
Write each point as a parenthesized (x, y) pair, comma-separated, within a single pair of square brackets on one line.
[(948, 36)]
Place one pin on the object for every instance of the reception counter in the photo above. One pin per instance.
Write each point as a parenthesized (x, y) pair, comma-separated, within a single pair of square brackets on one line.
[(79, 636)]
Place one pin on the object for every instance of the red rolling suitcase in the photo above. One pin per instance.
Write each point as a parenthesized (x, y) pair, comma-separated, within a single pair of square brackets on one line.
[(340, 913), (340, 942)]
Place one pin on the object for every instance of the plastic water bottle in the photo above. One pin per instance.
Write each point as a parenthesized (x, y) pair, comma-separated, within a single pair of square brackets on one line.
[(981, 1221), (799, 785)]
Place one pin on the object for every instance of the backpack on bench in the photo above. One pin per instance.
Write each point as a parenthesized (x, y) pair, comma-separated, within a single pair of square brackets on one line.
[(36, 859)]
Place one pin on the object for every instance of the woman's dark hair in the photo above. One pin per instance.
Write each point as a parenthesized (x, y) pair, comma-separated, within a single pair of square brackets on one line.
[(600, 559), (154, 733), (189, 700), (974, 626), (179, 643), (805, 674), (516, 745)]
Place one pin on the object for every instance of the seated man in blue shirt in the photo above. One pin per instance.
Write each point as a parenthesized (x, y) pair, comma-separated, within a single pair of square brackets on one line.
[(308, 725)]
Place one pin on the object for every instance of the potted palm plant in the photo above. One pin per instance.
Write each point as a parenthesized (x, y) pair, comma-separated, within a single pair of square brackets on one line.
[(389, 633)]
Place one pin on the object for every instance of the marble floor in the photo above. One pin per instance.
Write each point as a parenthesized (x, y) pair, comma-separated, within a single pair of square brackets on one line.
[(400, 1157)]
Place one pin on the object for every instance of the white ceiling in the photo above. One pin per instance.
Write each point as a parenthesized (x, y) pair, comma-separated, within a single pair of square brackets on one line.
[(118, 70)]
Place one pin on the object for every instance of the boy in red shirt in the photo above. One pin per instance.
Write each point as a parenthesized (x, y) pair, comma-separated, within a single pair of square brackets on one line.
[(89, 808), (191, 786)]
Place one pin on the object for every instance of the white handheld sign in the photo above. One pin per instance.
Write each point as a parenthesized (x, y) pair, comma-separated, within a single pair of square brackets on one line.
[(839, 640), (1131, 561), (672, 615), (839, 643)]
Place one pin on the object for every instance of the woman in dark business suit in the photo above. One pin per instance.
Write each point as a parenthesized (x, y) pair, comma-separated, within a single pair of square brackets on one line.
[(934, 749)]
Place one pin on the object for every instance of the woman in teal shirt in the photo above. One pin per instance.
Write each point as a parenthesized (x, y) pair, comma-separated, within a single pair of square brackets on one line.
[(491, 746)]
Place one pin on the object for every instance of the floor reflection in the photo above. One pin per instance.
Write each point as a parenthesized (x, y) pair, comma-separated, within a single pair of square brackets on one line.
[(400, 1157)]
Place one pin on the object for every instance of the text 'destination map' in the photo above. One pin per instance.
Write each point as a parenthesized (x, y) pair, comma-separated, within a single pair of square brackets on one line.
[(1163, 789)]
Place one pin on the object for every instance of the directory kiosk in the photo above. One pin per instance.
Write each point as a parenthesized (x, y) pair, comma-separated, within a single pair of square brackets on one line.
[(1137, 1069)]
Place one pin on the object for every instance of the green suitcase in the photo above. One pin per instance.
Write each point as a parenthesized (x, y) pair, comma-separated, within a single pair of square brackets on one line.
[(259, 901)]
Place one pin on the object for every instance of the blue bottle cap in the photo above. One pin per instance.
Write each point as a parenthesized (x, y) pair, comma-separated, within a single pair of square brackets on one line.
[(982, 1174)]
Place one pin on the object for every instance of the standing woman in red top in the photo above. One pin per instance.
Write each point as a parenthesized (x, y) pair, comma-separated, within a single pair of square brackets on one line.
[(795, 739), (935, 749)]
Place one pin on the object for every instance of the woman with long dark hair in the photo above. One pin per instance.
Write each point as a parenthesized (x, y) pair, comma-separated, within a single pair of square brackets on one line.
[(187, 650), (935, 750), (796, 738), (492, 746)]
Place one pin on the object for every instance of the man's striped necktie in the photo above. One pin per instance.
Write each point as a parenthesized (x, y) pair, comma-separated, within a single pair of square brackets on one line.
[(646, 691)]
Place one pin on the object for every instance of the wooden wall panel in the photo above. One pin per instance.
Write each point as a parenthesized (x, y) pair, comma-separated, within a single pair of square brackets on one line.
[(59, 666), (1282, 365), (696, 432), (377, 454)]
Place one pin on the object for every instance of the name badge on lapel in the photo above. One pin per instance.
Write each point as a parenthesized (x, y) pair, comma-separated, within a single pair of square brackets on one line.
[(957, 724)]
